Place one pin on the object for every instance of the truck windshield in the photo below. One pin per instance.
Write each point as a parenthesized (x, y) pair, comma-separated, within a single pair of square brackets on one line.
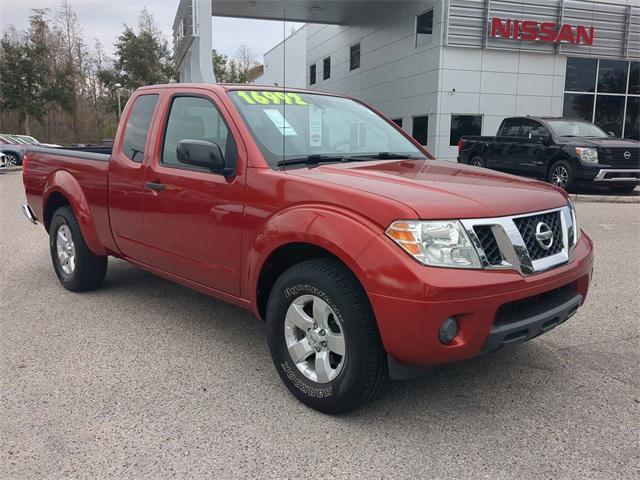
[(568, 128), (288, 126)]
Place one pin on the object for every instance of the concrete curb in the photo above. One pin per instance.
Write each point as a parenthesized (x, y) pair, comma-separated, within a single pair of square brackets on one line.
[(581, 198)]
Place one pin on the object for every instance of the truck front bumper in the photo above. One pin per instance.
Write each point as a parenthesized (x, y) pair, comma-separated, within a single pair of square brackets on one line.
[(608, 176), (492, 308)]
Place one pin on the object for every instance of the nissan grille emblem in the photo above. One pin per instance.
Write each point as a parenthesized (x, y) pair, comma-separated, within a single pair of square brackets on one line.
[(544, 235), (627, 155)]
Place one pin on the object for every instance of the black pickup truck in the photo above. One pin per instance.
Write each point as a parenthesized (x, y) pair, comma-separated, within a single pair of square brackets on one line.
[(564, 152)]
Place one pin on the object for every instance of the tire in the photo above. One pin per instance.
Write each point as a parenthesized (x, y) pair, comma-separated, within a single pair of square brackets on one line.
[(561, 175), (324, 379), (625, 189), (12, 160), (77, 268), (477, 161)]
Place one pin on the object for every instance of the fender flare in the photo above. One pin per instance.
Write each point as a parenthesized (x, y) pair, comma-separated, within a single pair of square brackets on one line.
[(313, 225), (65, 184)]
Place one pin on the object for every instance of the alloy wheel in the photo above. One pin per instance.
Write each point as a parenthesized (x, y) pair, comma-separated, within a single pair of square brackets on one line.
[(314, 338), (11, 160), (560, 176), (66, 250)]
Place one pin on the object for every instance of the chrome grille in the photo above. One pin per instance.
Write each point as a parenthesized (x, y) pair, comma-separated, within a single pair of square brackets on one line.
[(527, 227), (489, 244), (511, 243)]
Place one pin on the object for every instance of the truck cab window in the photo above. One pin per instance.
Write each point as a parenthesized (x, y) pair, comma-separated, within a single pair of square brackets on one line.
[(137, 129), (510, 128), (194, 118)]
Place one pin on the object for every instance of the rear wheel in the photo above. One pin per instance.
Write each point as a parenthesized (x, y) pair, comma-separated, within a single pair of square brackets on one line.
[(323, 337), (477, 161), (561, 175), (77, 267), (11, 160)]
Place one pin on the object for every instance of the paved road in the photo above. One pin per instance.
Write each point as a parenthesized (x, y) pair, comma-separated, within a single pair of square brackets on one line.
[(146, 379)]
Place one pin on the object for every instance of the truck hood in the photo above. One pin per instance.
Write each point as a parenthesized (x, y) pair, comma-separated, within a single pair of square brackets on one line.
[(609, 142), (442, 190)]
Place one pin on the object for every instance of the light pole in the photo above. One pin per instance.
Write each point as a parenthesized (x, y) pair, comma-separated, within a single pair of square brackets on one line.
[(118, 86)]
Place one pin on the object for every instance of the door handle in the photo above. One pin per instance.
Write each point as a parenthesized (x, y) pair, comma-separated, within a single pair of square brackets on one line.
[(154, 186)]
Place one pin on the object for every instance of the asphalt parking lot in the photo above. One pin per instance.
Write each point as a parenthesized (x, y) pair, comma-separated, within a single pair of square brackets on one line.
[(147, 379)]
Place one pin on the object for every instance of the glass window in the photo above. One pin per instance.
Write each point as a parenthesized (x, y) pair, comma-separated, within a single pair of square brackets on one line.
[(632, 124), (568, 128), (135, 134), (464, 125), (609, 113), (421, 129), (315, 124), (530, 127), (354, 57), (194, 118), (578, 106), (312, 74), (510, 127), (326, 68), (634, 78), (424, 28), (581, 75), (397, 121), (612, 76)]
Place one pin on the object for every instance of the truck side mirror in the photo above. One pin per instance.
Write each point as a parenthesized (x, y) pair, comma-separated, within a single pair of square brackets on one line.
[(202, 153)]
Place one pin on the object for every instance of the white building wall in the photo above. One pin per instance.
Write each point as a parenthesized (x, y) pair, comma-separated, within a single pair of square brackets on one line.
[(496, 84), (291, 53), (394, 76)]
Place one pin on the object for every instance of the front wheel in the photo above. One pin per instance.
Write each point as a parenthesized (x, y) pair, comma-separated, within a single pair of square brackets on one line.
[(323, 337), (77, 267), (561, 175)]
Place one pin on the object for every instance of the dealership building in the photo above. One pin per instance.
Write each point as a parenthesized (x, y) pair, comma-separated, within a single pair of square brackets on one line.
[(446, 68)]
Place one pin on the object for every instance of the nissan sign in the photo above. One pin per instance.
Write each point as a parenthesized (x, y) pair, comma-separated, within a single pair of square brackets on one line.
[(549, 32)]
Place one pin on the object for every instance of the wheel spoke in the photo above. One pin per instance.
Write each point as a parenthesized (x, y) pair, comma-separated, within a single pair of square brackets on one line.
[(62, 236), (323, 368), (321, 312), (300, 351), (299, 318), (335, 343)]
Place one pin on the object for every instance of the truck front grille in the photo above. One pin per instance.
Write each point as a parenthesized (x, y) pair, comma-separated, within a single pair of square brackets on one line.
[(527, 227), (616, 157), (528, 244), (489, 244)]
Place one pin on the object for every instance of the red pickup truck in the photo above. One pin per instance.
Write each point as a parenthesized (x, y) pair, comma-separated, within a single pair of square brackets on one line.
[(365, 257)]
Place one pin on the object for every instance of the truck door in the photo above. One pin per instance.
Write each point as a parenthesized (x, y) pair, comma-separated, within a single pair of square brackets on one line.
[(193, 217), (533, 136), (504, 145), (126, 177)]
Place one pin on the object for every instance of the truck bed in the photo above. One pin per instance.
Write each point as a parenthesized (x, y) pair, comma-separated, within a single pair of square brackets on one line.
[(84, 173)]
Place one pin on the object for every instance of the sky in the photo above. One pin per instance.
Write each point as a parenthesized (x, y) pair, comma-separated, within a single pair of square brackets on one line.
[(104, 20)]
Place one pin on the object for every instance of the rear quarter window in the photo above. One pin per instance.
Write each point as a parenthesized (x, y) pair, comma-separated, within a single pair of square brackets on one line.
[(137, 129)]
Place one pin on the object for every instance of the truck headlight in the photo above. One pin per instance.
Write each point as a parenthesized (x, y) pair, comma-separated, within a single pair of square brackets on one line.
[(435, 243), (574, 220), (587, 155)]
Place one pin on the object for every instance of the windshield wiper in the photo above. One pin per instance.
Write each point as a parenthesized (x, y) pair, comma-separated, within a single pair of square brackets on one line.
[(311, 160)]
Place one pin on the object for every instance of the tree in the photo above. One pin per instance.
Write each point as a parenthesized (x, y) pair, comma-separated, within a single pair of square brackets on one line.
[(26, 79), (143, 58), (245, 61)]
